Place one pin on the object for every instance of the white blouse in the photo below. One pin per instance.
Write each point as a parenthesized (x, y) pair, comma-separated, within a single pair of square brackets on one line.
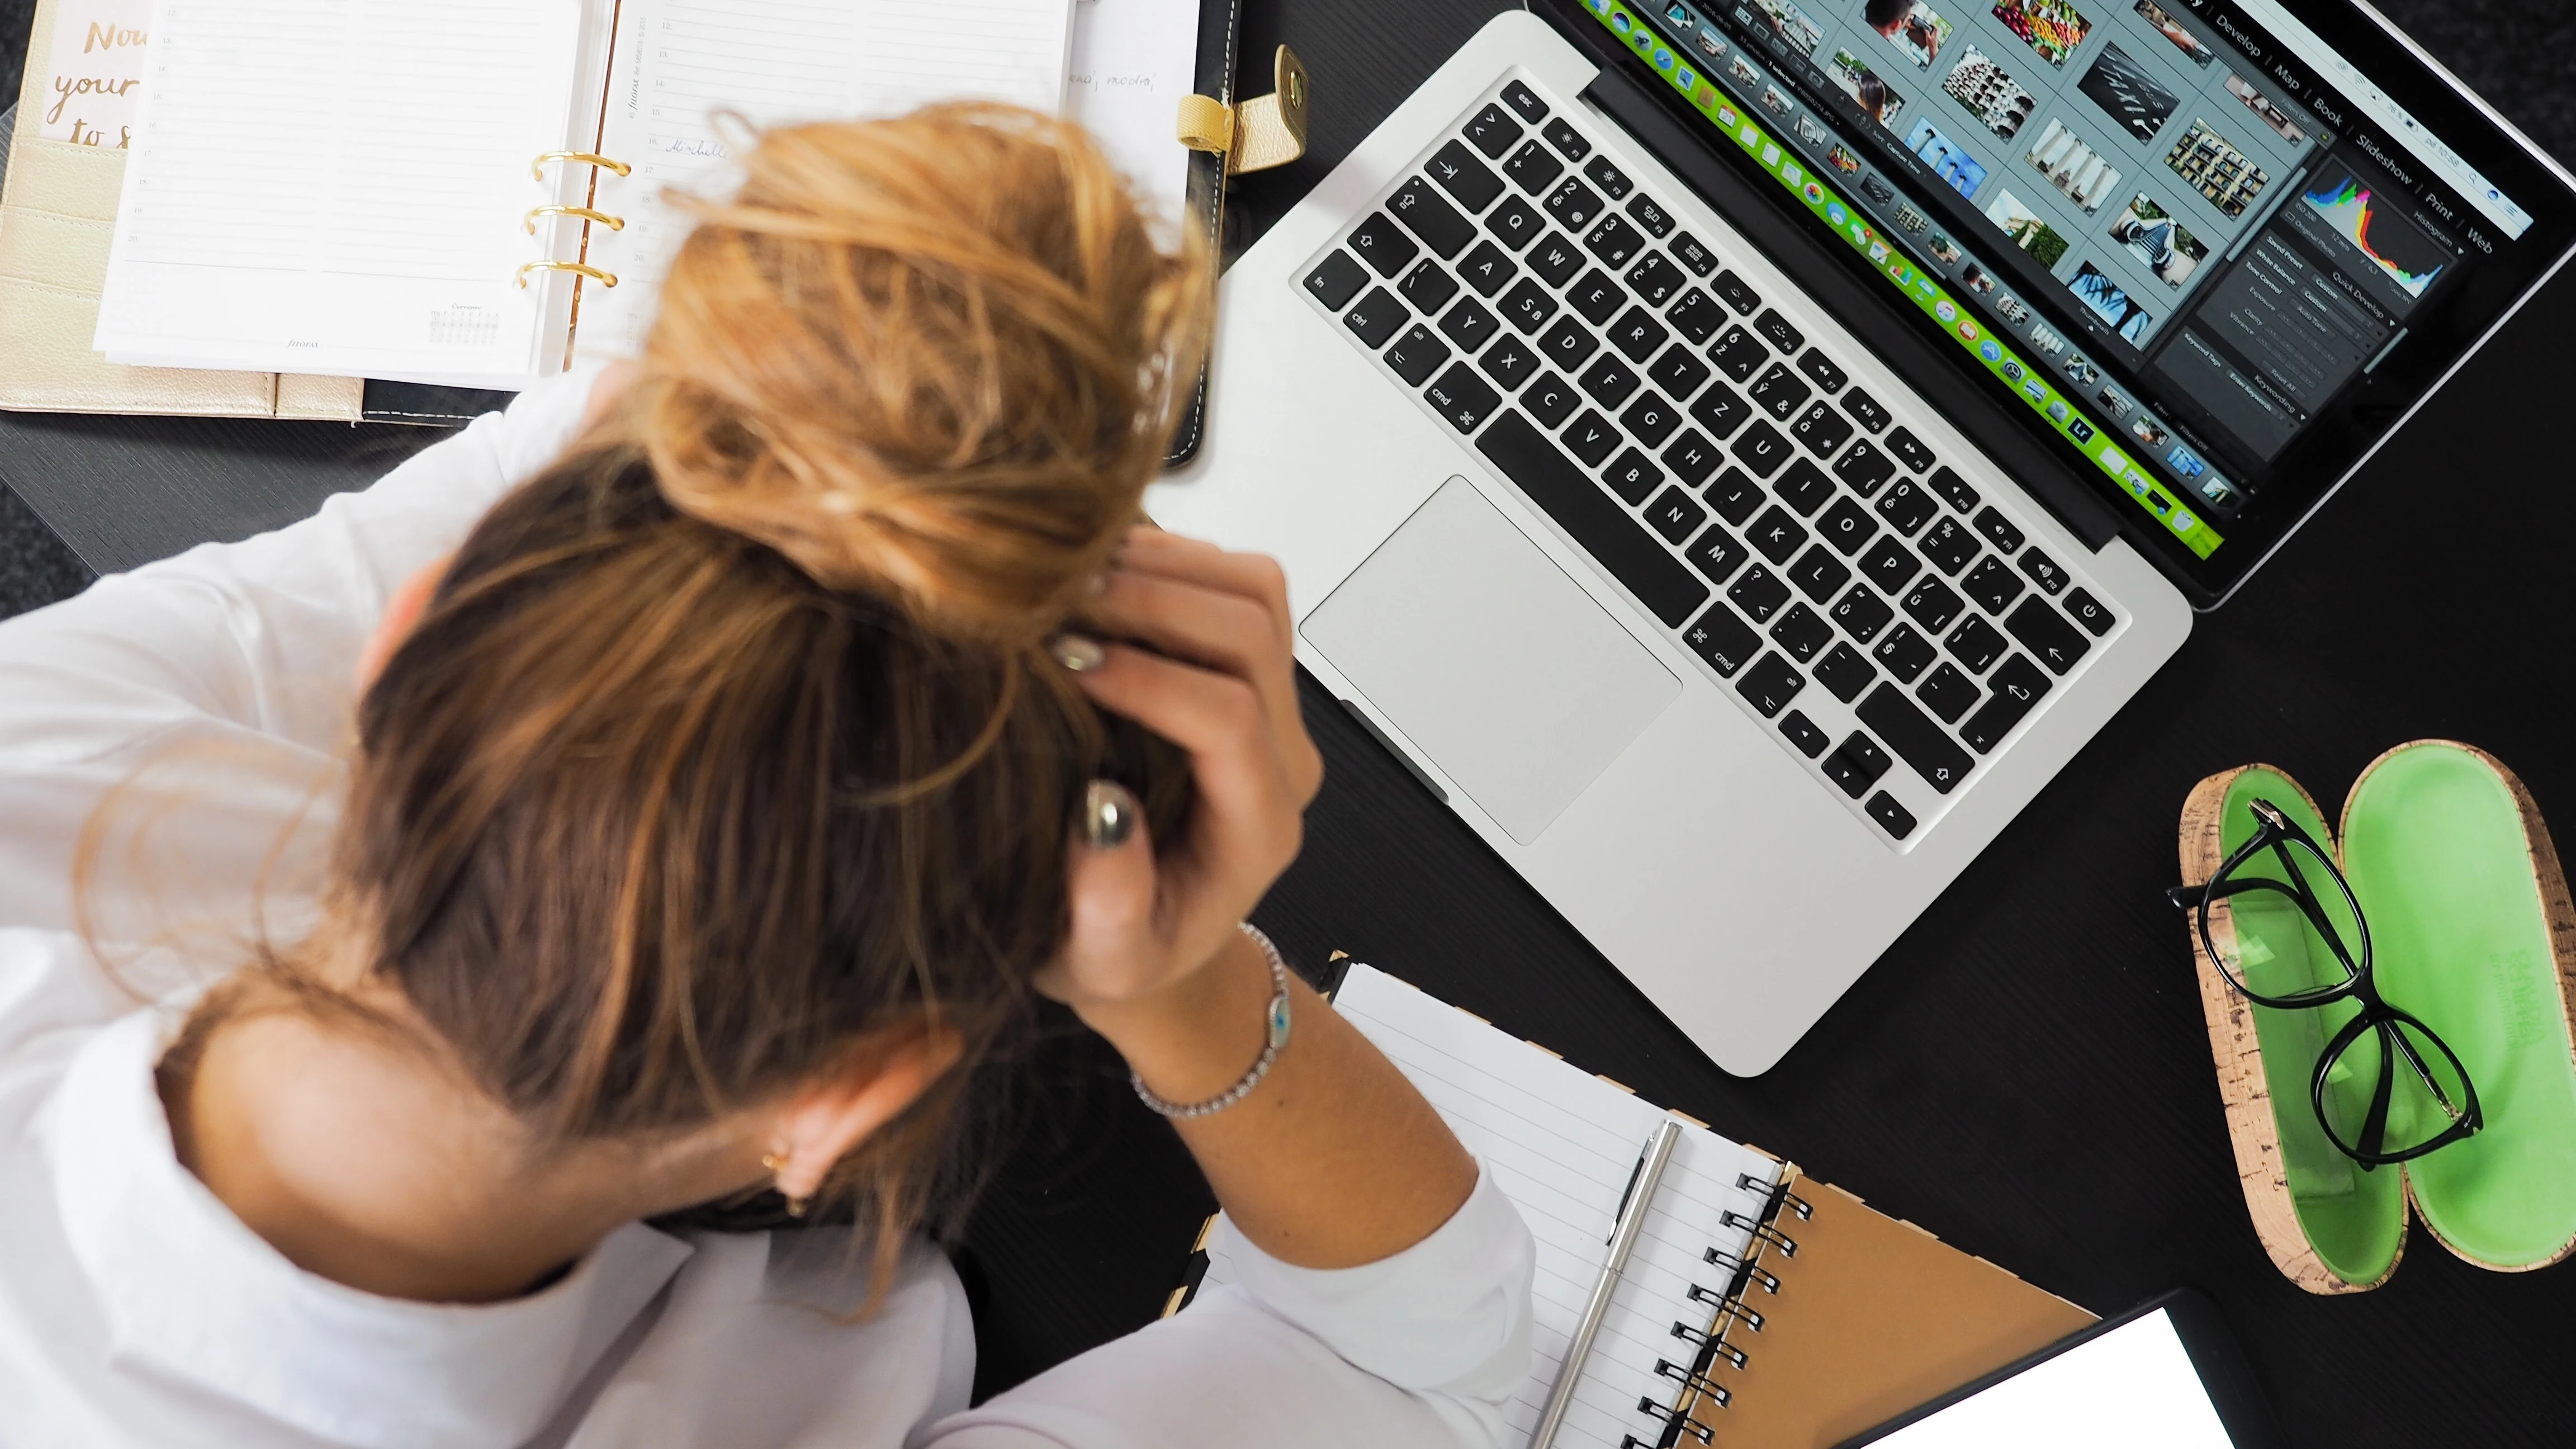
[(206, 702)]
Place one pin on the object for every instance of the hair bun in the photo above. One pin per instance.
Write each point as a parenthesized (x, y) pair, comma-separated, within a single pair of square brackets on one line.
[(937, 356)]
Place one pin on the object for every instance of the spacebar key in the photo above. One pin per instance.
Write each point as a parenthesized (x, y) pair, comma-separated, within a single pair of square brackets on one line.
[(1915, 738), (1582, 508)]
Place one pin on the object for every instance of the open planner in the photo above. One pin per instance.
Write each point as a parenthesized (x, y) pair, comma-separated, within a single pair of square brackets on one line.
[(1757, 1307)]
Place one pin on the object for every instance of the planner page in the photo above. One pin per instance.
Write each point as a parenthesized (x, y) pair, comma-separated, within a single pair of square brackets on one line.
[(1564, 1144), (693, 80), (340, 187), (1133, 63)]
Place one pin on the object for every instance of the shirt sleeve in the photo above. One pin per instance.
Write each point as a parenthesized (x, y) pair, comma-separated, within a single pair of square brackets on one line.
[(1426, 1348), (213, 691)]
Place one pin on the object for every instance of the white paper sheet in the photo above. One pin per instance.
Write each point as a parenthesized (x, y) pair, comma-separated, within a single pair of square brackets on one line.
[(1133, 62)]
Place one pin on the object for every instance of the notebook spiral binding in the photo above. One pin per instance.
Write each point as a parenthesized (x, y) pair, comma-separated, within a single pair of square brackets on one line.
[(1714, 1345), (580, 268)]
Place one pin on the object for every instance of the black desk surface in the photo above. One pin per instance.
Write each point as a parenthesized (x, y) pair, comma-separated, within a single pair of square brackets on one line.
[(2025, 1073)]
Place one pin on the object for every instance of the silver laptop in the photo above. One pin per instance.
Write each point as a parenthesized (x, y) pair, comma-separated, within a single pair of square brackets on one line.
[(1737, 451)]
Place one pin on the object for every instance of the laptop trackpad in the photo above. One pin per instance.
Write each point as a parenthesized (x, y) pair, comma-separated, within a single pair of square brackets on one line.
[(1491, 660)]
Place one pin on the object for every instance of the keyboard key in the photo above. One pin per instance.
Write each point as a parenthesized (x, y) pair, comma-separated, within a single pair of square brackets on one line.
[(1803, 634), (1656, 220), (1770, 684), (1632, 477), (1932, 604), (2000, 531), (1802, 732), (1893, 818), (1566, 344), (1567, 139), (1417, 354), (1779, 391), (1434, 220), (1863, 467), (1533, 168), (1679, 372), (1862, 613), (1907, 508), (1818, 574), (1608, 380), (1486, 268), (1804, 487), (1609, 178), (1551, 400), (1953, 488), (1915, 738), (1888, 566), (1591, 438), (1375, 317), (1759, 593), (1949, 545), (1555, 261), (2044, 572), (1976, 644), (1692, 457), (1846, 526), (1947, 693), (1470, 325), (1637, 334), (1905, 653), (1734, 496), (1515, 223), (2017, 686), (1676, 515), (1739, 354), (1992, 584), (1654, 279), (1427, 287), (1857, 764), (1336, 280), (1696, 317), (1510, 363), (1822, 430), (1736, 292), (1464, 177), (1670, 590), (1777, 534), (1694, 254), (1821, 370), (2090, 613), (1380, 243), (1492, 130), (1573, 204), (1597, 297), (1761, 449), (1720, 411), (1917, 458), (1716, 554), (1776, 330), (1521, 98), (1865, 410), (1527, 306), (2045, 633), (1650, 419), (1463, 398), (1844, 673), (1614, 241), (1724, 640)]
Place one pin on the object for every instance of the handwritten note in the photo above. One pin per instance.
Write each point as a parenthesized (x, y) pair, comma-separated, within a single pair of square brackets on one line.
[(94, 78), (1133, 60)]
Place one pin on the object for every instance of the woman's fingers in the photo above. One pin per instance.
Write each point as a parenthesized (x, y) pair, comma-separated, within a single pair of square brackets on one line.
[(1111, 949), (1250, 799), (1151, 551)]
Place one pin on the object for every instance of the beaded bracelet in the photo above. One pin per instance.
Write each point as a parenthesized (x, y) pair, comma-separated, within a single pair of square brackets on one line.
[(1277, 1038)]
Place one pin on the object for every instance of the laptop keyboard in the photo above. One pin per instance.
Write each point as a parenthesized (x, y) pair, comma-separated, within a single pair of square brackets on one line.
[(1889, 622)]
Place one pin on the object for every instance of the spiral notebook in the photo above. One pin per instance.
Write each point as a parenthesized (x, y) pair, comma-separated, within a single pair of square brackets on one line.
[(1758, 1308)]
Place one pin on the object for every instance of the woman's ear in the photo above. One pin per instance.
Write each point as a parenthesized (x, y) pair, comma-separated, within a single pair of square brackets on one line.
[(826, 1121), (401, 612)]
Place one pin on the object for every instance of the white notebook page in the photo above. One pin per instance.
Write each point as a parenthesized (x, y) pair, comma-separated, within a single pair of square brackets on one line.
[(680, 63), (1133, 61), (1563, 1144), (338, 187)]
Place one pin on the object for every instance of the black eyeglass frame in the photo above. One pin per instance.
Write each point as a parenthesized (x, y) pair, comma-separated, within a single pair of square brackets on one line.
[(2276, 832)]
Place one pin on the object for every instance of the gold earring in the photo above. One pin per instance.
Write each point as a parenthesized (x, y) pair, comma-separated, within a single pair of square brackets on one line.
[(774, 1162), (796, 1206)]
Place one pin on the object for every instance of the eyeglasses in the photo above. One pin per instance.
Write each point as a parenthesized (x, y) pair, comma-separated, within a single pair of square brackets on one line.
[(2386, 1088)]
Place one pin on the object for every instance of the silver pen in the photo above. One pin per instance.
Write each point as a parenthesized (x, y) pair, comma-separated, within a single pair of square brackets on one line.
[(1623, 1240)]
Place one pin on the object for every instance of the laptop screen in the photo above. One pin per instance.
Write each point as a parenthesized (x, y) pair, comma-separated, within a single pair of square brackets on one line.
[(2213, 249)]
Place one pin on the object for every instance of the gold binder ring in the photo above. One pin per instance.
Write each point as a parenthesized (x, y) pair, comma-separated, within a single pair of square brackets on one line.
[(605, 279), (538, 169), (614, 223)]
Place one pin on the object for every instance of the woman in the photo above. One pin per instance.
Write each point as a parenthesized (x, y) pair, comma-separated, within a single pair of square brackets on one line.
[(719, 799)]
